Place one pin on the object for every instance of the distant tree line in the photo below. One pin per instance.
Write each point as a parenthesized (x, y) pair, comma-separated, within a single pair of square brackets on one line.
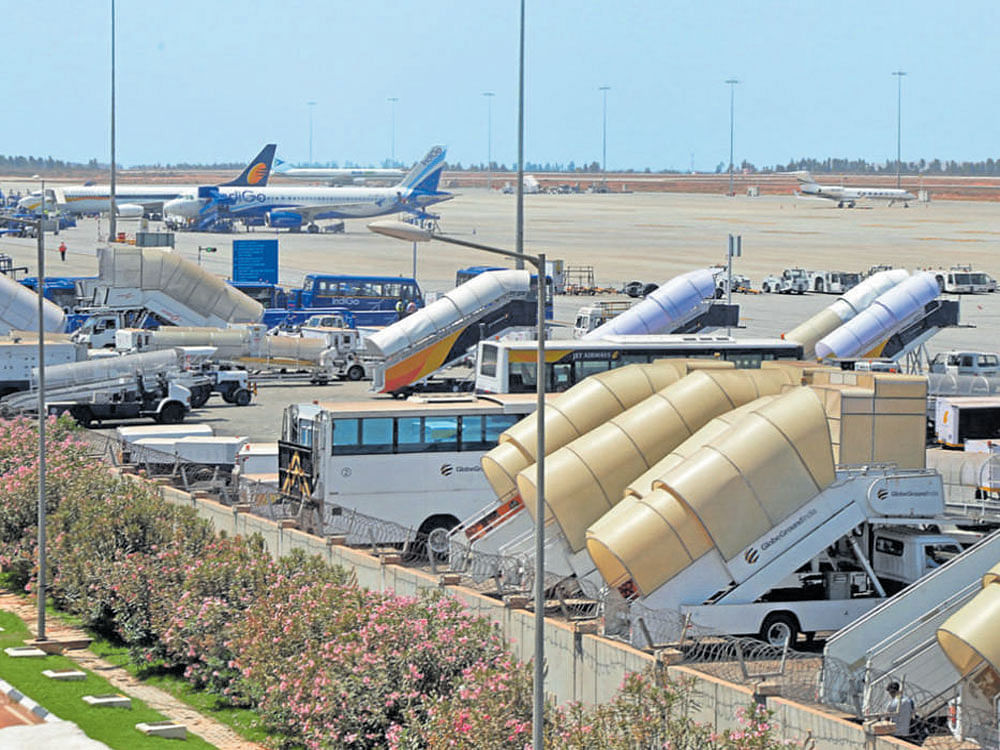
[(830, 165)]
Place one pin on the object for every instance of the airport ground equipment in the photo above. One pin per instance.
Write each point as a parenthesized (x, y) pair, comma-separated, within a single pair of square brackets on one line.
[(791, 281), (158, 282), (833, 282), (960, 419), (678, 306), (19, 356), (413, 464), (985, 364), (930, 637), (486, 307), (590, 317), (868, 333), (718, 531), (19, 309), (964, 280), (135, 385)]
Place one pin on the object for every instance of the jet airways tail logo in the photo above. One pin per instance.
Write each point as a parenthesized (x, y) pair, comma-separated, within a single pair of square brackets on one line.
[(256, 173)]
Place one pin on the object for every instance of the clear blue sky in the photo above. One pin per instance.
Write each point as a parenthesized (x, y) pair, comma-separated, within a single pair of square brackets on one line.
[(212, 81)]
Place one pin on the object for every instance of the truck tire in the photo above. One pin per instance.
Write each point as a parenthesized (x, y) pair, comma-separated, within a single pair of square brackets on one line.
[(777, 627), (199, 396), (355, 372), (171, 413), (766, 288), (241, 397)]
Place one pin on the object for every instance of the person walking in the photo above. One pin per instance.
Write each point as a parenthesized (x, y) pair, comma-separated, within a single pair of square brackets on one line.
[(62, 251)]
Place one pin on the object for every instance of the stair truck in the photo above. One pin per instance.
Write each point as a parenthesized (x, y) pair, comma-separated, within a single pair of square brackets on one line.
[(796, 550), (126, 387)]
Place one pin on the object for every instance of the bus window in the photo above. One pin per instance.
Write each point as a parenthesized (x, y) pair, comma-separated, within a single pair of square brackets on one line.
[(588, 367), (472, 434), (441, 433), (522, 377), (495, 424), (345, 436), (391, 289), (745, 360), (633, 358), (376, 435), (306, 433), (561, 376), (410, 434)]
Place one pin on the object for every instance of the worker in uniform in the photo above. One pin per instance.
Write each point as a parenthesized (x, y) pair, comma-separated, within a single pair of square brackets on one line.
[(400, 310), (62, 250), (900, 709)]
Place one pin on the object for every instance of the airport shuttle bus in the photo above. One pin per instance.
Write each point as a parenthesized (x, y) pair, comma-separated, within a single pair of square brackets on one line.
[(415, 463), (509, 366), (356, 293)]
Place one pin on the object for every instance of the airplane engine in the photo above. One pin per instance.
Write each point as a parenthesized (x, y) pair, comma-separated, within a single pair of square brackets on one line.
[(184, 207), (284, 220), (129, 210)]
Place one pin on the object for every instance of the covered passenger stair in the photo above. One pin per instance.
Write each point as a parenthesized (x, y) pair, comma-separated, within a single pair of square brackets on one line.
[(487, 306)]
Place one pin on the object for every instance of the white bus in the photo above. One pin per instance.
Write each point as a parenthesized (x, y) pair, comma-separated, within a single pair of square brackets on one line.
[(415, 463), (509, 366)]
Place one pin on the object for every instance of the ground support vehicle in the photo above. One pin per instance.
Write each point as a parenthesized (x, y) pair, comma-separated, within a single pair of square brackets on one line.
[(591, 317), (393, 471), (985, 364), (791, 281), (964, 280), (19, 356), (833, 282)]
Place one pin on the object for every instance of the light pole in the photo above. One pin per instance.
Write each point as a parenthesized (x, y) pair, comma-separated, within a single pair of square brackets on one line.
[(604, 134), (411, 233), (41, 418), (392, 100), (310, 105), (112, 218), (732, 110), (899, 124), (519, 220), (489, 139)]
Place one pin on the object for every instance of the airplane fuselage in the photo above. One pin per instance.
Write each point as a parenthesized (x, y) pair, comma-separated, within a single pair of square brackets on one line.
[(848, 196), (92, 199)]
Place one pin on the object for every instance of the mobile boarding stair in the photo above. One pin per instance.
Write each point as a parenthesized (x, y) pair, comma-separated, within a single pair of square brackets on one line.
[(487, 306), (685, 304), (898, 641)]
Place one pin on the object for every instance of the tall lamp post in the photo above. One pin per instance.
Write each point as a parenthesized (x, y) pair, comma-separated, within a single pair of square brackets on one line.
[(489, 139), (392, 100), (604, 133), (411, 233), (310, 105), (41, 418), (732, 129), (112, 216), (899, 124)]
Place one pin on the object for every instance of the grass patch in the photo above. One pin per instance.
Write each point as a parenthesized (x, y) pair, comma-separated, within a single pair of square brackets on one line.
[(244, 721), (112, 726)]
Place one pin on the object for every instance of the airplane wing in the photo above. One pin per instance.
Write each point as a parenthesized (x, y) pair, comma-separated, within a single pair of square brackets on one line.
[(312, 213)]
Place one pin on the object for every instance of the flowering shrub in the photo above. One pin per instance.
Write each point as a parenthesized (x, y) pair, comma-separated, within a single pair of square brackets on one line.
[(325, 663)]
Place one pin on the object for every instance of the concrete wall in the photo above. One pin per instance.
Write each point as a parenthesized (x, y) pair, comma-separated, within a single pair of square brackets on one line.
[(581, 667)]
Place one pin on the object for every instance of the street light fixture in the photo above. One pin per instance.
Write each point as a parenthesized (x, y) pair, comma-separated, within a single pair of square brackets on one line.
[(411, 233), (732, 100), (310, 105), (392, 100), (489, 139), (112, 216), (899, 123), (604, 134)]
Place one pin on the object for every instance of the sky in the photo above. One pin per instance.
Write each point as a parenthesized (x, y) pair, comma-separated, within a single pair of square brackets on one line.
[(206, 82)]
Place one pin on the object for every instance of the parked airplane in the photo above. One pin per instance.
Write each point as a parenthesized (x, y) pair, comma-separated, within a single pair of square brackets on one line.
[(531, 186), (132, 201), (289, 207), (344, 176), (848, 196)]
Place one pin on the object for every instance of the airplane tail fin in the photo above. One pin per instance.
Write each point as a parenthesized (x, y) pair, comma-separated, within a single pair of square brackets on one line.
[(426, 175), (257, 171), (804, 177)]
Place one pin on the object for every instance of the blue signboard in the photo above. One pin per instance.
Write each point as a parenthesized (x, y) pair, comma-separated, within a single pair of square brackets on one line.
[(255, 260)]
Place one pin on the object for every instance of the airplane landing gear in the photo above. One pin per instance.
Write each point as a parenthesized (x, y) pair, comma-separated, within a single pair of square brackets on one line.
[(312, 228)]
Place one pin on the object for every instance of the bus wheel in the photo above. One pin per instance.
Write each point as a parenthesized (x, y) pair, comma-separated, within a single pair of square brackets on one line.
[(779, 627), (432, 538)]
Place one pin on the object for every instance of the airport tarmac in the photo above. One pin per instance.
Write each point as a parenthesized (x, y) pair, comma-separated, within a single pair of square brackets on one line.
[(643, 236)]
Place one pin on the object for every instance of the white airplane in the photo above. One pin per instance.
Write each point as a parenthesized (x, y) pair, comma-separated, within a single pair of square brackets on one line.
[(285, 207), (132, 201), (531, 186), (344, 176), (848, 196)]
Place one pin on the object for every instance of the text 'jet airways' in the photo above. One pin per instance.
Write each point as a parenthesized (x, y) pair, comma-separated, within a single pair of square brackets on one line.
[(848, 196)]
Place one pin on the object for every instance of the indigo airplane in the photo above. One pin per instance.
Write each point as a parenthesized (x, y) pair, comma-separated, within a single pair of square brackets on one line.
[(848, 196), (287, 207), (132, 201)]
